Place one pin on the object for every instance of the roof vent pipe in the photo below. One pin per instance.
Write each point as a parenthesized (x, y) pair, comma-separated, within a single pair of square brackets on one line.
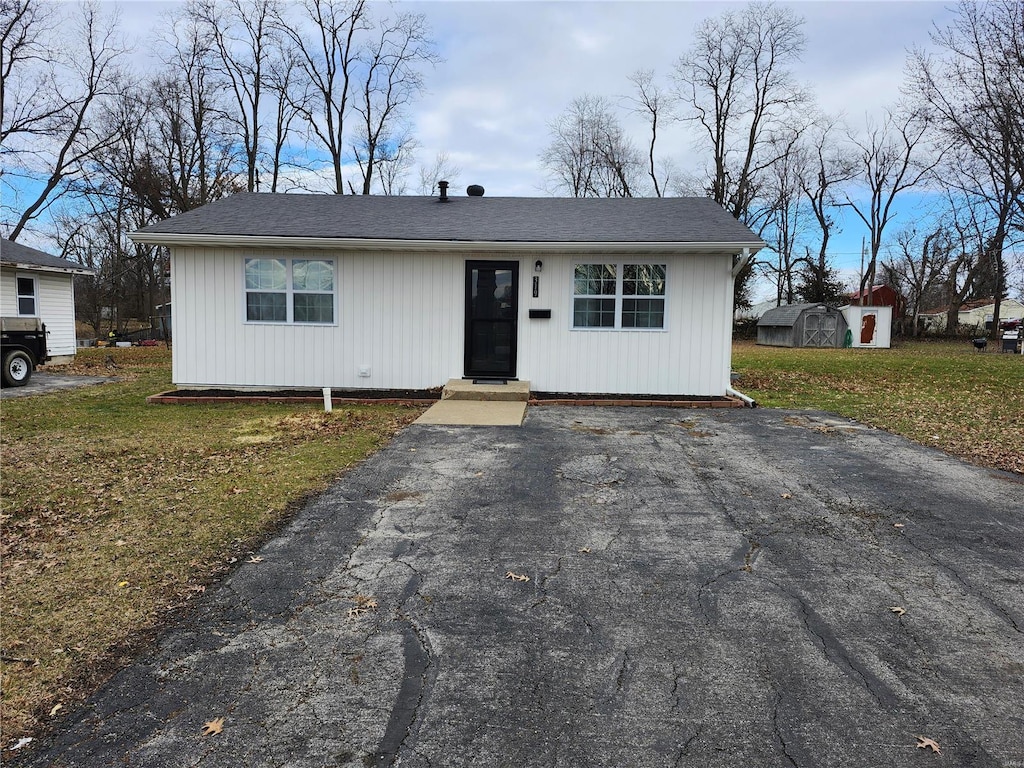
[(443, 186), (475, 190)]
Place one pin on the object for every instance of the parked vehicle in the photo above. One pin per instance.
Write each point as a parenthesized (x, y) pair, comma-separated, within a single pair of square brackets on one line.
[(22, 348)]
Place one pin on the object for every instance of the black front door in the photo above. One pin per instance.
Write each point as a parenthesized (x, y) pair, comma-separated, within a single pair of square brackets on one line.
[(492, 306)]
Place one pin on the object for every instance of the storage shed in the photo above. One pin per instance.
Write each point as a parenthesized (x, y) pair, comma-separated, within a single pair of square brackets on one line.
[(802, 325)]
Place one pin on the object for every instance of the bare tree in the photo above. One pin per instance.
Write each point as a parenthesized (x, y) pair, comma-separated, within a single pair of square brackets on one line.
[(827, 166), (442, 169), (590, 154), (657, 107), (327, 57), (56, 71), (918, 266), (244, 43), (786, 224), (973, 92), (737, 85), (887, 164), (390, 81), (193, 151)]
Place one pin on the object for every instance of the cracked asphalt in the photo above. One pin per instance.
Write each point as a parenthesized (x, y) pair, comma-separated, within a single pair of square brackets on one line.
[(706, 588)]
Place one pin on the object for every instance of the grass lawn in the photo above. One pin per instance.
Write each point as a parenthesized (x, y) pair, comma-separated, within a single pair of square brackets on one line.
[(942, 394), (114, 513)]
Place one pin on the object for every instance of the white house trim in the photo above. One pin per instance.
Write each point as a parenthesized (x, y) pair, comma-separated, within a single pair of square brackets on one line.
[(475, 246)]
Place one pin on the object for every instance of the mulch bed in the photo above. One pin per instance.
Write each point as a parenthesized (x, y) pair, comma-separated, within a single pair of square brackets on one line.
[(428, 396), (650, 401), (360, 396)]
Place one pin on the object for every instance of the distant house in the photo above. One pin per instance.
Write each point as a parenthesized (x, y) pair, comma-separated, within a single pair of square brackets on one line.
[(802, 325), (35, 284), (630, 296), (974, 315)]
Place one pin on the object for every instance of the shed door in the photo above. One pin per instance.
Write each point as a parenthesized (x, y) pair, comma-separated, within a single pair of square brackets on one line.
[(492, 308), (820, 330)]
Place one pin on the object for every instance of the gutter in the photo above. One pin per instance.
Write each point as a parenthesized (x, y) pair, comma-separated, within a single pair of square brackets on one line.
[(385, 244), (751, 403)]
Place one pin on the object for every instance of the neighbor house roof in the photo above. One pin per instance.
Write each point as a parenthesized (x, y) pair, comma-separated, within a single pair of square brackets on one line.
[(306, 219), (17, 255)]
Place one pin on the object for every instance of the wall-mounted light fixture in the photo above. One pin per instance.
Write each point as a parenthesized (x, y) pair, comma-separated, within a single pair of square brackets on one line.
[(538, 265)]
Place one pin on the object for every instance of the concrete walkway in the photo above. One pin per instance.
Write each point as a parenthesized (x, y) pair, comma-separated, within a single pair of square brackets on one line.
[(604, 588)]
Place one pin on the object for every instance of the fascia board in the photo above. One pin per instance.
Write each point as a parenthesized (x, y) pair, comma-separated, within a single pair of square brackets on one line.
[(40, 268), (336, 243)]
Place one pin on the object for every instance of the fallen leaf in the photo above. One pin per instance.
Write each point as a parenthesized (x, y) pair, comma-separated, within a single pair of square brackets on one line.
[(584, 550), (122, 583), (925, 743), (787, 495), (897, 525), (120, 543), (899, 610), (254, 559), (516, 576), (56, 708), (364, 604), (212, 727)]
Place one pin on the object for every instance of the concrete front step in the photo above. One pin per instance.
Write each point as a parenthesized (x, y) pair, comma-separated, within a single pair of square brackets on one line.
[(465, 389), (475, 413)]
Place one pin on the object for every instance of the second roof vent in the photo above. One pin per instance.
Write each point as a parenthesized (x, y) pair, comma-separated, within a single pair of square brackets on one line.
[(475, 190)]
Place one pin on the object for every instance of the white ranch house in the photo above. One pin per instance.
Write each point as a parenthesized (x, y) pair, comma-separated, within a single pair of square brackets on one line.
[(34, 283), (623, 296)]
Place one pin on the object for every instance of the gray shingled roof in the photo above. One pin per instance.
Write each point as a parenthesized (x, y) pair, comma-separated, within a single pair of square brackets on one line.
[(16, 254), (787, 314), (472, 219)]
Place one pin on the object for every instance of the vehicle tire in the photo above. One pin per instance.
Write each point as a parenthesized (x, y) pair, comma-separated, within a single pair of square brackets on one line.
[(17, 369)]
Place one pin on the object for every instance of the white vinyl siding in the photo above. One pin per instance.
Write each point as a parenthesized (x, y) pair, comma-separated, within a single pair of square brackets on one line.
[(402, 316), (54, 305)]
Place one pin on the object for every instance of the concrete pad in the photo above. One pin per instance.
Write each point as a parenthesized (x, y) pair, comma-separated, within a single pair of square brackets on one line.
[(477, 413), (465, 389)]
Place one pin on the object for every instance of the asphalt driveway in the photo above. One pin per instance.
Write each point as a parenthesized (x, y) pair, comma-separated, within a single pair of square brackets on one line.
[(44, 382), (706, 588)]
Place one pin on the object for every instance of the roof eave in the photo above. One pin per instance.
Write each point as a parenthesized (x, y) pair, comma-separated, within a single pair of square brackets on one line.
[(44, 268), (384, 244)]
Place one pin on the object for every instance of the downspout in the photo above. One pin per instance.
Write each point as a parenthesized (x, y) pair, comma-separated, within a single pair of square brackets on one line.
[(736, 269), (739, 265), (749, 401)]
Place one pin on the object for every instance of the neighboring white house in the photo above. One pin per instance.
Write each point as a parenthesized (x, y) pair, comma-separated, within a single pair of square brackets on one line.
[(631, 296), (973, 315), (36, 284)]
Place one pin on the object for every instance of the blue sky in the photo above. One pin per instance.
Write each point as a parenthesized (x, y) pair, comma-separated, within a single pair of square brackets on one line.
[(511, 67)]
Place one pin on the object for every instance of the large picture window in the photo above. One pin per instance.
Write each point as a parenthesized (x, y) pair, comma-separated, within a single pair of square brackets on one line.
[(618, 296), (289, 291)]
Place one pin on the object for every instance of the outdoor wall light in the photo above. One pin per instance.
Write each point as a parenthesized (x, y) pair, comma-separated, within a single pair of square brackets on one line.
[(538, 265)]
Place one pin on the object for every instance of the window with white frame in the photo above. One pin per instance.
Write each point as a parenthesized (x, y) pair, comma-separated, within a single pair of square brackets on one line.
[(619, 295), (26, 296), (281, 290)]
